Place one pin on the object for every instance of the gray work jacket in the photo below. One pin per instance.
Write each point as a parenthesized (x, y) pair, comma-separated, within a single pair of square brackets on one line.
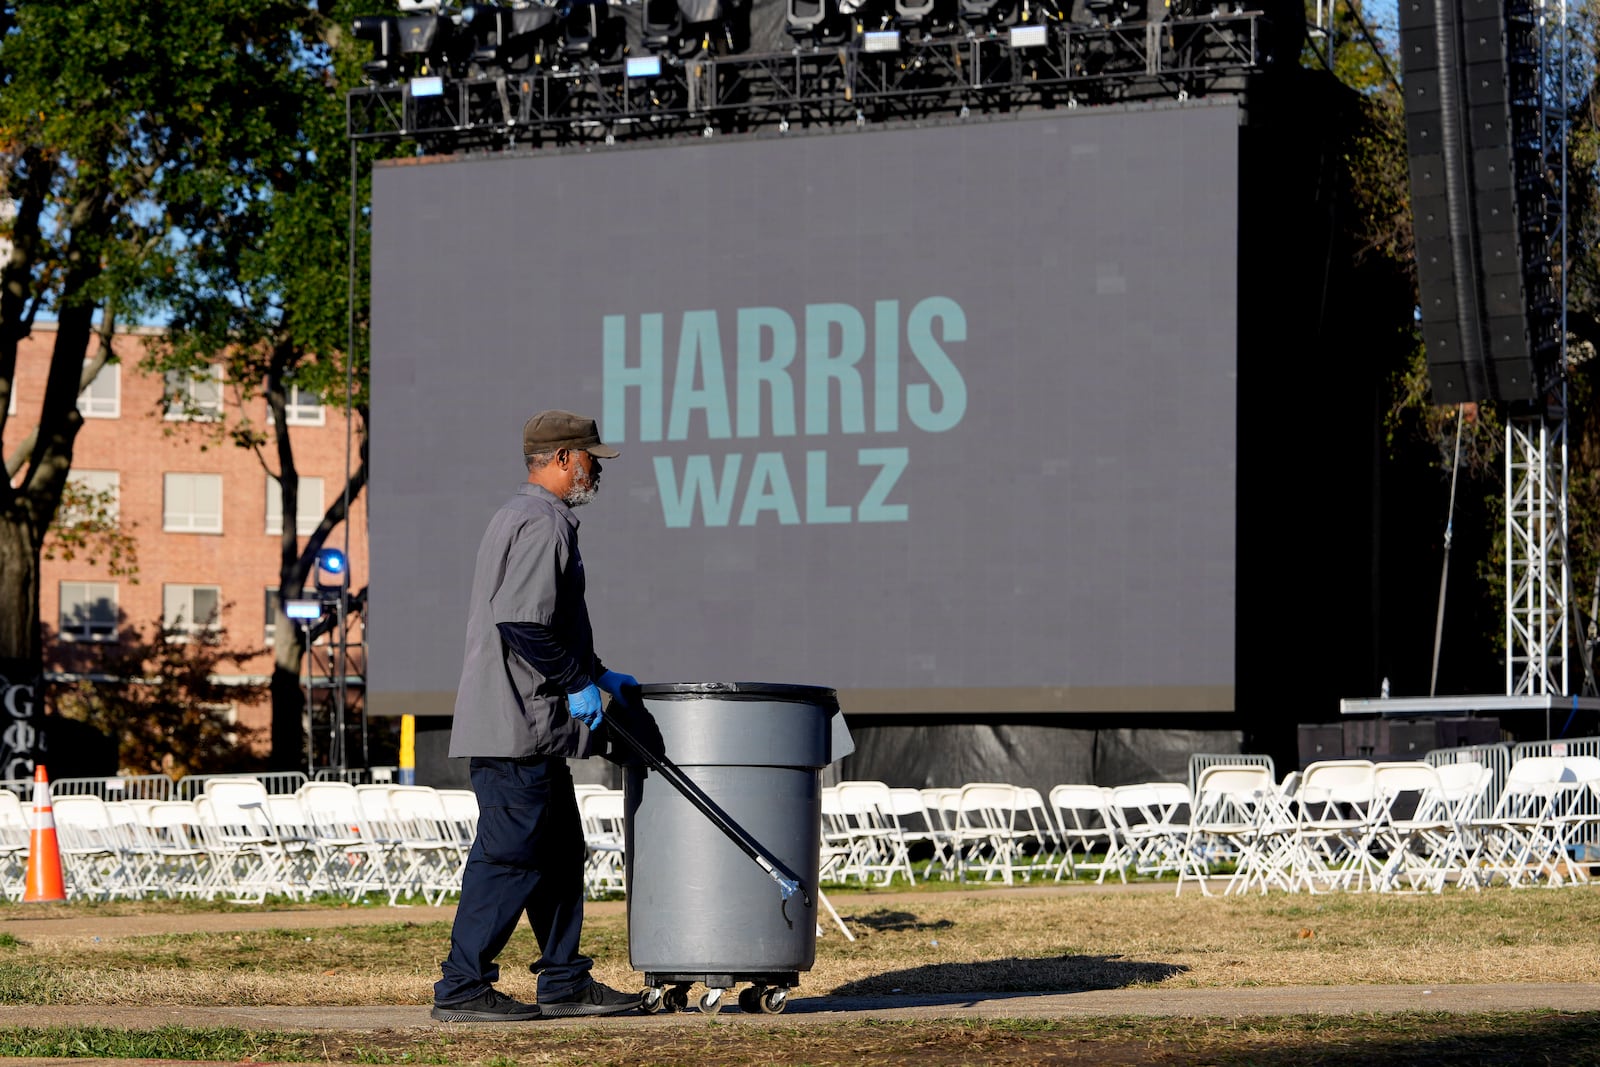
[(528, 570)]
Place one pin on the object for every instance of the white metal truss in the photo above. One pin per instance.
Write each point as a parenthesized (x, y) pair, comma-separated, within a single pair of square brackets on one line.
[(1538, 577), (1538, 582)]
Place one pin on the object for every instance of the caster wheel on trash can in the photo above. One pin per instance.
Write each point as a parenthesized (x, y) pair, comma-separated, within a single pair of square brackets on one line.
[(773, 1000), (711, 1002), (750, 999), (676, 998), (652, 1001)]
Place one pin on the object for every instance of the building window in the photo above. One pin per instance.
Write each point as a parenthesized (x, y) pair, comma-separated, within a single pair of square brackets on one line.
[(192, 503), (89, 611), (195, 397), (304, 408), (307, 506), (191, 609), (102, 398), (91, 495)]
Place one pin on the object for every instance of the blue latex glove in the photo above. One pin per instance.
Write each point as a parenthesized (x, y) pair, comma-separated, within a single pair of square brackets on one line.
[(613, 681), (584, 705)]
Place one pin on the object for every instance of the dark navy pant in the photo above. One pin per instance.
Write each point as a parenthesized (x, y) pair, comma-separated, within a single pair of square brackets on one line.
[(528, 858)]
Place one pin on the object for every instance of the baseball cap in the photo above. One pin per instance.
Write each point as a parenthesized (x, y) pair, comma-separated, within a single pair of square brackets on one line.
[(551, 430)]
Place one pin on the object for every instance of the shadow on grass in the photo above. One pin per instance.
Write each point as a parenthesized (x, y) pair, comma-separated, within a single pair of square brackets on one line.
[(885, 921), (1051, 974)]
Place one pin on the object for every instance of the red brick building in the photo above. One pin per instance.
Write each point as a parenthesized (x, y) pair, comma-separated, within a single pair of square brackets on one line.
[(204, 512)]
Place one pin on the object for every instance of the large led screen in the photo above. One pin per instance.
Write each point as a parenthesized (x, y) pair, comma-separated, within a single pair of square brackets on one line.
[(940, 417)]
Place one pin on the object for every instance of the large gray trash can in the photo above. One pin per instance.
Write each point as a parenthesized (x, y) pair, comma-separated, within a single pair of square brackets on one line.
[(699, 908)]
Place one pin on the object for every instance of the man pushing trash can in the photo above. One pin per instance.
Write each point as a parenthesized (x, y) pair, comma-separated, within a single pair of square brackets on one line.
[(530, 697)]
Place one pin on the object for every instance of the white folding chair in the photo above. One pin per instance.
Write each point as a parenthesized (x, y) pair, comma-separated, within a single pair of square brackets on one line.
[(461, 809), (986, 831), (840, 858), (182, 862), (1519, 842), (354, 854), (430, 854), (1577, 818), (919, 826), (1233, 804), (1464, 789), (1087, 828), (1153, 823), (868, 813), (1335, 811), (92, 852), (605, 841), (940, 803), (1411, 828), (248, 856)]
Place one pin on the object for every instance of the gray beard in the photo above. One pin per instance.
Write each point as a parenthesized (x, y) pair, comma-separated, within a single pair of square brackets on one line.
[(580, 494)]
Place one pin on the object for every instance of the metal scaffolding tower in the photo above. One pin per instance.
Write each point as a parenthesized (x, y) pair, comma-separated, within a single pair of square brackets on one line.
[(1538, 579), (1538, 582)]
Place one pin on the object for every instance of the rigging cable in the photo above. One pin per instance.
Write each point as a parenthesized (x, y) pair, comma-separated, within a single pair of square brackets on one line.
[(1444, 569)]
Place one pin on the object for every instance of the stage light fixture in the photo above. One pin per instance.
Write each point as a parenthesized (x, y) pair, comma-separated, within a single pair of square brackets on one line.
[(1036, 36), (384, 33), (821, 21), (881, 41), (584, 28), (644, 66), (428, 85), (333, 571)]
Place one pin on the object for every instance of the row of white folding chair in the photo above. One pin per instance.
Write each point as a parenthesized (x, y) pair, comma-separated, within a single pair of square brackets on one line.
[(238, 840), (1548, 808), (862, 834), (1142, 828), (344, 839), (998, 828), (1340, 824)]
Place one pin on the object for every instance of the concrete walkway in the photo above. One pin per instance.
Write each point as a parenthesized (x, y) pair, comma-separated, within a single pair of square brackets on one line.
[(803, 1011)]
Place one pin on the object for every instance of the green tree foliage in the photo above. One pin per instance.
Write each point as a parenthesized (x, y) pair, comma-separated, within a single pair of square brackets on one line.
[(115, 121), (266, 286), (157, 692), (87, 524), (188, 161)]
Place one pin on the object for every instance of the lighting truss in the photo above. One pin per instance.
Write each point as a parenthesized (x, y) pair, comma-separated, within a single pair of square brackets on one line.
[(1175, 58), (1538, 571)]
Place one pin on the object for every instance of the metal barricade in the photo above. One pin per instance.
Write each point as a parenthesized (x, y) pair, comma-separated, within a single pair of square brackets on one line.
[(116, 787), (191, 786), (1199, 761), (358, 775), (1581, 810), (1496, 757), (1561, 746)]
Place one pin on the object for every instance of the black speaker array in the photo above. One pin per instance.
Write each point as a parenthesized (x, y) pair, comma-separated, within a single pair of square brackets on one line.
[(1481, 198)]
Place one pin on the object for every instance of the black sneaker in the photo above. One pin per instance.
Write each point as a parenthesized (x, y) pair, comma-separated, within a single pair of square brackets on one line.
[(594, 999), (490, 1006)]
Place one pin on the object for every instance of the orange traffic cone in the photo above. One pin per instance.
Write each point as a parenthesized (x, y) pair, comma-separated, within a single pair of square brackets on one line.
[(44, 882)]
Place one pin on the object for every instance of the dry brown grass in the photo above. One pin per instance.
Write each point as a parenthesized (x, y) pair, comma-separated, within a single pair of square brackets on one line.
[(982, 941)]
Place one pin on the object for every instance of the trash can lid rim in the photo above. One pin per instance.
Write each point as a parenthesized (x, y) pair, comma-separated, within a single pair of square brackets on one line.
[(801, 694)]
